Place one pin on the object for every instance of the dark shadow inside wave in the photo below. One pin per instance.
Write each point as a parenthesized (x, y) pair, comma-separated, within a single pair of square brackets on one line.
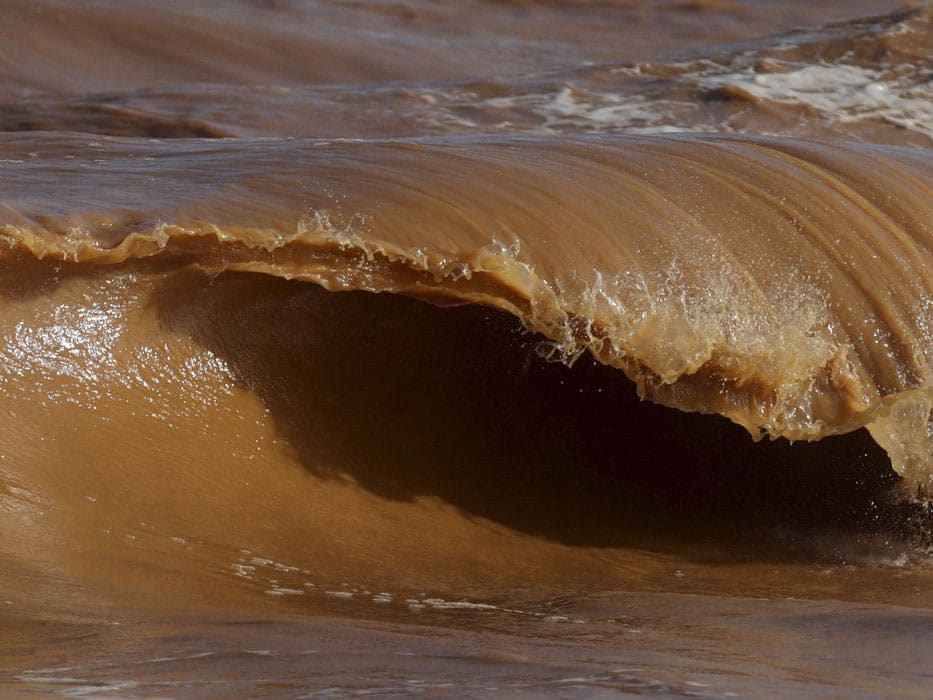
[(411, 400)]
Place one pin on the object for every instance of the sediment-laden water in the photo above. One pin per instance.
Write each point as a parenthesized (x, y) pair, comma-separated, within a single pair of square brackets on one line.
[(497, 349)]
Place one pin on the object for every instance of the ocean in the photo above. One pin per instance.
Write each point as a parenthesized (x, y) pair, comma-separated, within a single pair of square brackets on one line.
[(468, 349)]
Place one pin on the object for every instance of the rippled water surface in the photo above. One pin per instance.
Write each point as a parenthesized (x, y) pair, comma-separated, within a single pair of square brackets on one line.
[(498, 349)]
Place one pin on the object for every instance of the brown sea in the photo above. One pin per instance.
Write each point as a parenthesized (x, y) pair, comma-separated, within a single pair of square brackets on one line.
[(497, 349)]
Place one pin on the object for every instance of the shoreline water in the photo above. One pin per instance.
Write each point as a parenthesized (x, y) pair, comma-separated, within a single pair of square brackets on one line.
[(240, 456)]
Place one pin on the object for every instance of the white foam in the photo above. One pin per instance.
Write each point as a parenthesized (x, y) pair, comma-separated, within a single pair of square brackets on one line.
[(572, 108), (276, 590), (243, 570), (841, 92), (441, 604)]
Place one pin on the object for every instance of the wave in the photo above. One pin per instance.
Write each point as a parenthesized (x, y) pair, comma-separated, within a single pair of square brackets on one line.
[(862, 80), (355, 326), (783, 284), (131, 45)]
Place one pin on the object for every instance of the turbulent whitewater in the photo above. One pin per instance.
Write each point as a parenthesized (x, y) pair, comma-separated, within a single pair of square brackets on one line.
[(331, 326)]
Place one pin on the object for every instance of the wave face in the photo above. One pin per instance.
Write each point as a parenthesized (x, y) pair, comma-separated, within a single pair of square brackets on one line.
[(230, 423)]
